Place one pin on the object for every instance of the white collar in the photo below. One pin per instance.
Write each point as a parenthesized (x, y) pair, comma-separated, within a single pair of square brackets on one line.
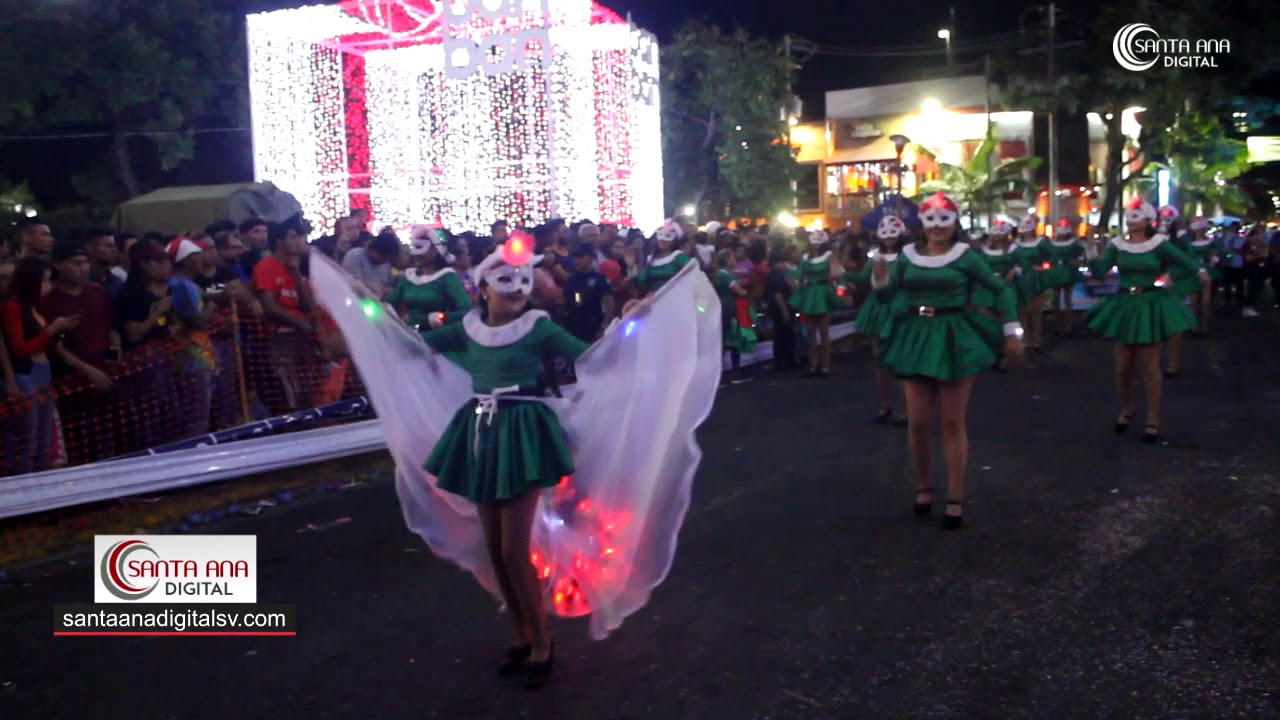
[(935, 261), (664, 260), (415, 276), (887, 257), (820, 259), (1063, 243), (503, 335), (997, 253), (1139, 247), (1028, 244), (1201, 243)]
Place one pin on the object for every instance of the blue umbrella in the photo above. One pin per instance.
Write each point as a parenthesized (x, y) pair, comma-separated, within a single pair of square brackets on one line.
[(895, 205), (1224, 220)]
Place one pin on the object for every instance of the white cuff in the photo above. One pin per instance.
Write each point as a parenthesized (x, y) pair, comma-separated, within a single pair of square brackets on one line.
[(1204, 273), (1091, 253), (878, 284), (1017, 270), (1013, 329), (435, 320)]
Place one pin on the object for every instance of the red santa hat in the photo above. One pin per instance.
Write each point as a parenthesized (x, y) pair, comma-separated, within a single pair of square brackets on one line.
[(939, 211)]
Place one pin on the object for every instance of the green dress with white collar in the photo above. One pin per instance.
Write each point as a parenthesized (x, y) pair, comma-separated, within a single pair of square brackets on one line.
[(507, 442), (1065, 257), (1204, 252), (877, 310), (1031, 258), (659, 271), (935, 333), (422, 295), (1141, 312), (816, 296), (1001, 262)]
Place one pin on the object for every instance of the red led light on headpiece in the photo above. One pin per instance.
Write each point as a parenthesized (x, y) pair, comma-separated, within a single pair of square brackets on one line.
[(518, 250)]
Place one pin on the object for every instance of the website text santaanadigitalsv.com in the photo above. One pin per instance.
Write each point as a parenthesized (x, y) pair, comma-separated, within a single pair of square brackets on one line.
[(179, 620)]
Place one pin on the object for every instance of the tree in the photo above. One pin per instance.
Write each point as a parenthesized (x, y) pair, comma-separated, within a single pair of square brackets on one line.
[(145, 74), (978, 186), (725, 140), (1201, 161)]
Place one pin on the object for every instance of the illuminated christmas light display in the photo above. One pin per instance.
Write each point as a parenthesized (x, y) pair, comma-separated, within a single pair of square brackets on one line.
[(458, 112)]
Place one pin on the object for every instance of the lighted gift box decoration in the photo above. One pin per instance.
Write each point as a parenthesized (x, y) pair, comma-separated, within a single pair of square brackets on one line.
[(461, 113)]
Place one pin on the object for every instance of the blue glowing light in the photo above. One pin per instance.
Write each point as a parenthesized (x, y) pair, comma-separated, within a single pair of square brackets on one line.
[(629, 328)]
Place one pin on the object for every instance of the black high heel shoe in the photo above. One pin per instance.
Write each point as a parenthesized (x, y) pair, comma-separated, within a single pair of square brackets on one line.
[(923, 509), (1151, 434), (538, 674), (1122, 424), (954, 522), (516, 657)]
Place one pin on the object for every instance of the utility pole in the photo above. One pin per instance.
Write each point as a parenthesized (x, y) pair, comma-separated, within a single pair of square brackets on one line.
[(986, 91), (1053, 122)]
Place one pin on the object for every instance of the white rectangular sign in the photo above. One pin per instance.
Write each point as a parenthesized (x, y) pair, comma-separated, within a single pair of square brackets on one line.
[(188, 569)]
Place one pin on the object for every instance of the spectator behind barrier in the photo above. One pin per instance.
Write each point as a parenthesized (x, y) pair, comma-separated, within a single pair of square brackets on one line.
[(372, 265)]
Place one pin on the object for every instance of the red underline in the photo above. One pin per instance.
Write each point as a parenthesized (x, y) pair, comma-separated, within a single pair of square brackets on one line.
[(170, 633)]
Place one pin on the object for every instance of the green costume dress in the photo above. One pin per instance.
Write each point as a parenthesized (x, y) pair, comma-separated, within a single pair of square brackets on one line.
[(1030, 257), (736, 337), (1001, 262), (876, 312), (934, 334), (504, 441), (1141, 312), (1203, 252), (1065, 257), (659, 271), (816, 295), (440, 292)]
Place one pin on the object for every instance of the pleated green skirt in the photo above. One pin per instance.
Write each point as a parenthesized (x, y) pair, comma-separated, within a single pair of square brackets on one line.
[(874, 316), (816, 299), (1028, 284), (524, 448), (943, 347), (737, 337), (1140, 319), (1184, 285), (1061, 275)]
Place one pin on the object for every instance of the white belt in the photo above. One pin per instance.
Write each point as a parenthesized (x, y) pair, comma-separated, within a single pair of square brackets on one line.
[(487, 407)]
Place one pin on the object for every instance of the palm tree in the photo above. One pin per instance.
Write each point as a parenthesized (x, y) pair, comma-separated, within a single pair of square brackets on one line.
[(977, 185)]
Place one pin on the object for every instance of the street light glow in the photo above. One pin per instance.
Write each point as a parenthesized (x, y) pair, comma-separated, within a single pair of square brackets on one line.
[(944, 34), (688, 210), (932, 105)]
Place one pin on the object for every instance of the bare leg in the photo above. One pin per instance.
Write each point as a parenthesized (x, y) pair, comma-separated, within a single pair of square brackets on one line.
[(814, 360), (517, 528), (1124, 378), (1068, 309), (953, 403), (1148, 360), (1175, 354), (1036, 330), (920, 394), (491, 522), (824, 325), (1203, 311), (884, 382)]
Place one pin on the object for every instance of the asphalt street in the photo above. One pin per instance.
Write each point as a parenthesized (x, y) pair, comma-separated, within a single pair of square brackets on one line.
[(1099, 577)]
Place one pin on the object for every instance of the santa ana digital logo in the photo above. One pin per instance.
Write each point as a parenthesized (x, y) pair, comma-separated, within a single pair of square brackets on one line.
[(1138, 47)]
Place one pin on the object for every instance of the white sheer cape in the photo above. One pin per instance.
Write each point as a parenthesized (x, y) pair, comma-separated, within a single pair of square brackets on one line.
[(606, 537)]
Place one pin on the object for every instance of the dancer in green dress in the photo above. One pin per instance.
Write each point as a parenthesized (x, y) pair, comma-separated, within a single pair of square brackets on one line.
[(1144, 312), (937, 344), (1187, 284), (1066, 252), (430, 293), (1031, 254), (877, 310), (816, 298), (999, 257), (737, 337), (667, 260), (504, 446)]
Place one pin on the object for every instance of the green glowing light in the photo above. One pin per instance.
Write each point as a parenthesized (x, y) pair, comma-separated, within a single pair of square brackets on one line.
[(372, 308)]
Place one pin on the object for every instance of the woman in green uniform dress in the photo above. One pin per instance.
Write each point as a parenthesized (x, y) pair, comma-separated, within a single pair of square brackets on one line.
[(816, 298), (999, 258), (937, 343), (1144, 312), (505, 446), (1065, 255), (737, 338), (1031, 254), (430, 293), (1187, 284), (667, 259), (876, 312)]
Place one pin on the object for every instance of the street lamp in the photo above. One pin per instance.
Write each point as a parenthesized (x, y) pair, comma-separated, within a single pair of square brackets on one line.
[(945, 34), (899, 144)]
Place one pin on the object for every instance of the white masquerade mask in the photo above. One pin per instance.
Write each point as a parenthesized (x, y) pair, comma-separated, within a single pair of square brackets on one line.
[(510, 268), (669, 232), (1028, 225), (818, 237), (508, 279), (1065, 230), (1139, 213), (890, 227), (938, 217), (426, 238), (1001, 228), (1199, 224)]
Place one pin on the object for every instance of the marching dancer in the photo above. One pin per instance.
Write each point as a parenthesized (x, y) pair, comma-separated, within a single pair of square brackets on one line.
[(1065, 254), (667, 260), (514, 478), (1187, 284), (937, 345), (1144, 312), (816, 298), (431, 292), (876, 312), (1032, 257), (738, 337), (999, 258)]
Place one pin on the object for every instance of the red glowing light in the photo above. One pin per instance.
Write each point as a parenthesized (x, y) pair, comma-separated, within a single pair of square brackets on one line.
[(1046, 265), (841, 291), (518, 250)]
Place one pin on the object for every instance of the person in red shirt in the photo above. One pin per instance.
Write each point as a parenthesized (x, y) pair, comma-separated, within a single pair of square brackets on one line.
[(287, 303), (29, 445)]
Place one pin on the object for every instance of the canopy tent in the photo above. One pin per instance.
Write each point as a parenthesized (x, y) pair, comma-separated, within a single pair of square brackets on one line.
[(177, 210)]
